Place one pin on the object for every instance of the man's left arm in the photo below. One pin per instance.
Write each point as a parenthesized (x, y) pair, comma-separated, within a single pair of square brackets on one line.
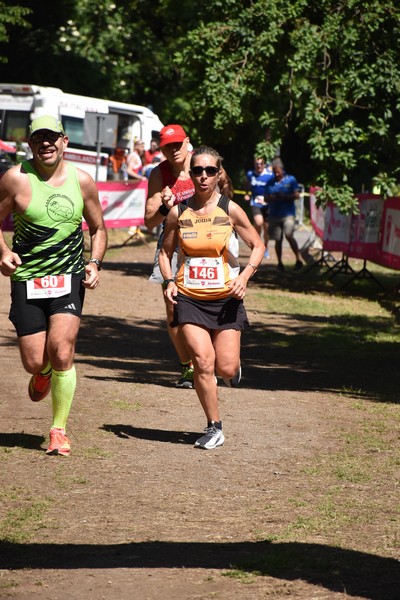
[(93, 215), (295, 188)]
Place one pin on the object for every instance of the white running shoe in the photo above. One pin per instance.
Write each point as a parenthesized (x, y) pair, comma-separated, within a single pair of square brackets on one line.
[(234, 382), (212, 439)]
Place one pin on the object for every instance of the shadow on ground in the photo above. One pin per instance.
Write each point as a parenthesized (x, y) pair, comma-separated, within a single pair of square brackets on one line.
[(156, 435), (306, 353), (336, 569), (21, 440)]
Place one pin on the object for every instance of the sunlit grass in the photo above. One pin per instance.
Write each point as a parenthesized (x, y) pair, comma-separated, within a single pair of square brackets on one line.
[(26, 515)]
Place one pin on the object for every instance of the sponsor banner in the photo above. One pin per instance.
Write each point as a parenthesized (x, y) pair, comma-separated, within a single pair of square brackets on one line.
[(337, 230), (123, 204), (389, 249), (365, 228), (317, 215)]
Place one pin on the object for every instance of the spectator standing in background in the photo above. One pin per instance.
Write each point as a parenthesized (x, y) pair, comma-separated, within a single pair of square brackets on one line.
[(281, 192), (153, 152), (257, 179), (134, 163), (118, 162)]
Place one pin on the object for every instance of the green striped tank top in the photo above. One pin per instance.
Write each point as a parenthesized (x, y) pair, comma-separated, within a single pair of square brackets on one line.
[(48, 236)]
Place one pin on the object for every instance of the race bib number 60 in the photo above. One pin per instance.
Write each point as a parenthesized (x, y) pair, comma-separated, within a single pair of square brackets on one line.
[(203, 272), (50, 286)]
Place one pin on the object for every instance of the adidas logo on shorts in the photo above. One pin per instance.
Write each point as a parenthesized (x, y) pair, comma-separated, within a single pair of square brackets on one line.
[(70, 306)]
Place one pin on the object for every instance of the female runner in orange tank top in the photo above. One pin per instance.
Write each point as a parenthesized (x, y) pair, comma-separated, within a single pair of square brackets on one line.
[(208, 292)]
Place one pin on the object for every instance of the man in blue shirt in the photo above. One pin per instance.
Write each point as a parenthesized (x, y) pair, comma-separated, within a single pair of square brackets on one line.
[(281, 191), (257, 179)]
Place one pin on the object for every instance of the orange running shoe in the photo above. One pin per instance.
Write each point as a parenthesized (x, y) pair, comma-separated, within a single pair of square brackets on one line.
[(59, 443), (39, 387)]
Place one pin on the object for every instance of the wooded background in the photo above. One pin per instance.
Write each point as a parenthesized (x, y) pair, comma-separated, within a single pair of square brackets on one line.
[(317, 81)]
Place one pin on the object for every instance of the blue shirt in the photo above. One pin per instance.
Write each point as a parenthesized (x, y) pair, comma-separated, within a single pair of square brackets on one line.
[(282, 206), (258, 182)]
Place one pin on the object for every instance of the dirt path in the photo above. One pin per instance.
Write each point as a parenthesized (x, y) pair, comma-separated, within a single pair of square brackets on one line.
[(136, 511)]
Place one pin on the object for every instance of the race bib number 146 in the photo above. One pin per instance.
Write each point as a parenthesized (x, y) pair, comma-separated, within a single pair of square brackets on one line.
[(203, 272)]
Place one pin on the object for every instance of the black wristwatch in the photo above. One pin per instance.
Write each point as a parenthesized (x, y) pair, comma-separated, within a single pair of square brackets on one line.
[(96, 261), (167, 281)]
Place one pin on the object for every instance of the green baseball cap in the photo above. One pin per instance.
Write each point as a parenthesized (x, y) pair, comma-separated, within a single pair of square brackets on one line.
[(46, 122)]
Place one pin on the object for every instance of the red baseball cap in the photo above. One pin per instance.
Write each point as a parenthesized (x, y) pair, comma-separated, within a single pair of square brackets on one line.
[(170, 134)]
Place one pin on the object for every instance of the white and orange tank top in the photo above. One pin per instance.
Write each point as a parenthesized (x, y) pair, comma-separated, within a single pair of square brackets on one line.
[(208, 252)]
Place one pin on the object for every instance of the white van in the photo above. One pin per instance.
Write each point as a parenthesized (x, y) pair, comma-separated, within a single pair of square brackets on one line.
[(21, 103)]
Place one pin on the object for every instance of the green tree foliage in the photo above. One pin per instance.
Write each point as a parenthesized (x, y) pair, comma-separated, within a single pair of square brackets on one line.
[(328, 69), (318, 80), (10, 16)]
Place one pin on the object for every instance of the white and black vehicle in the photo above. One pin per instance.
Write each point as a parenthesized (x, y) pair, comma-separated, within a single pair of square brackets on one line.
[(82, 118)]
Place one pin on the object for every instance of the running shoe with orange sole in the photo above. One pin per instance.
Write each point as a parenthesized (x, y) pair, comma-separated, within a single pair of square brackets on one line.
[(59, 443), (39, 387)]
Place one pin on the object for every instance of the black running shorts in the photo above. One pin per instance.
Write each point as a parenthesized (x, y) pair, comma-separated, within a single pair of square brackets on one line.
[(227, 313), (32, 316)]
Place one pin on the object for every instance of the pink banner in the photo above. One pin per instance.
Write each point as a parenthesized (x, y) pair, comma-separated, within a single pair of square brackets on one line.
[(365, 228), (389, 249), (123, 203), (337, 230), (317, 214), (373, 234)]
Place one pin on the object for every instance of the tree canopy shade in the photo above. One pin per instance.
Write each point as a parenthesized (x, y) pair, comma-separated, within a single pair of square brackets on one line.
[(10, 16), (319, 79)]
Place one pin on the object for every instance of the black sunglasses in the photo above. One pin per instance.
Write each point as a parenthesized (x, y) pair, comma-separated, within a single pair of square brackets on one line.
[(50, 136), (210, 171)]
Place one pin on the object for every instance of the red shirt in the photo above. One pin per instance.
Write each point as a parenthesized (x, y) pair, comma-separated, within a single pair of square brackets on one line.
[(181, 188)]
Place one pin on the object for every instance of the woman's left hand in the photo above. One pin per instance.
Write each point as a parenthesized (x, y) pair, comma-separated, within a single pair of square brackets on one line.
[(238, 287), (171, 292)]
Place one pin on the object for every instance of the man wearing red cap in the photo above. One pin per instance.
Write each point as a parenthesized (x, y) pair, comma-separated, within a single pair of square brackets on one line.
[(169, 184)]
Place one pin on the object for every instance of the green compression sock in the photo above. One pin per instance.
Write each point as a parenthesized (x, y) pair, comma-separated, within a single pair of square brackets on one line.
[(63, 384)]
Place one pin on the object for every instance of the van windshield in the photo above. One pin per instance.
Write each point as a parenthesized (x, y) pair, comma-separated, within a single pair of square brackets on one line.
[(74, 129), (15, 126)]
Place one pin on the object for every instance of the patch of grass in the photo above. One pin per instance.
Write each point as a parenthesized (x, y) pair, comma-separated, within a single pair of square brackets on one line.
[(351, 469), (319, 304), (297, 502), (20, 523), (126, 405), (96, 452), (5, 585), (121, 404), (353, 487), (241, 575), (351, 392), (5, 450), (13, 493), (65, 480)]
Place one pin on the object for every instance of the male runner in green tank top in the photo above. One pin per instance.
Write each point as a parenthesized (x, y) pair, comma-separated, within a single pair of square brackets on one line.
[(47, 198)]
